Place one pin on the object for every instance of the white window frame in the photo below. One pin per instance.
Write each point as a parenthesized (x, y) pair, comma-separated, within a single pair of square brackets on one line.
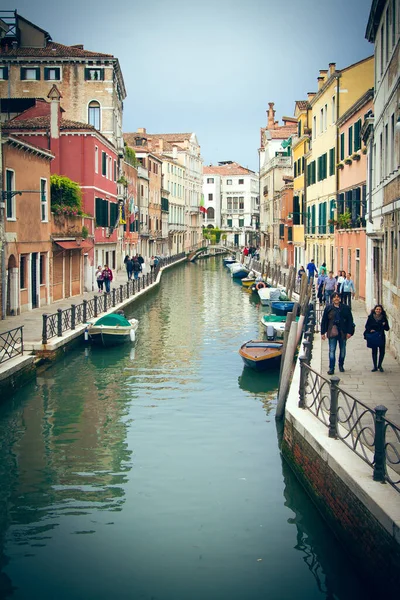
[(53, 69), (13, 202), (44, 206), (99, 114), (26, 74)]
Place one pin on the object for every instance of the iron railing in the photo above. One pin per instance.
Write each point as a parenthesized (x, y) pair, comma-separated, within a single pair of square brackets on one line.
[(366, 431), (11, 344), (54, 325)]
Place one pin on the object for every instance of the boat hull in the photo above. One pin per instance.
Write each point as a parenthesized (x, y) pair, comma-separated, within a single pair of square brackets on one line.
[(281, 308), (110, 335), (260, 355)]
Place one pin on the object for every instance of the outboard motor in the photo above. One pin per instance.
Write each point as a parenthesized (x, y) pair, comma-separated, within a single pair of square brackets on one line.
[(271, 333)]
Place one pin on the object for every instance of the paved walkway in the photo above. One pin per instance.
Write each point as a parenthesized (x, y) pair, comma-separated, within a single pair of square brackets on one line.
[(32, 320), (371, 388)]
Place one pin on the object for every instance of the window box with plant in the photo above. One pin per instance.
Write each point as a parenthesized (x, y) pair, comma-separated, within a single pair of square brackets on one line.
[(364, 150), (348, 160), (356, 156), (340, 165), (344, 220)]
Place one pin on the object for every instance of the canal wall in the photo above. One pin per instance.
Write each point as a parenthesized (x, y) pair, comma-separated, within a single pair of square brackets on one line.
[(363, 514), (17, 372)]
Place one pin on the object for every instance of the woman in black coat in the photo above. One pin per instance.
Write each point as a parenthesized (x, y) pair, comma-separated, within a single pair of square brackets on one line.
[(377, 321)]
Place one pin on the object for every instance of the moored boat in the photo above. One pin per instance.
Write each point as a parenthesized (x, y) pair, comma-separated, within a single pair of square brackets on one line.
[(239, 271), (267, 295), (261, 355), (282, 308), (277, 322), (112, 329), (229, 260)]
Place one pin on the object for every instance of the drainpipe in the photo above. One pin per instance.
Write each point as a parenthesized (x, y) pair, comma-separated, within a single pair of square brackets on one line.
[(2, 237)]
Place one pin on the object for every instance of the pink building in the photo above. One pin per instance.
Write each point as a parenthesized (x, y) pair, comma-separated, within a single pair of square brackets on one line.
[(350, 233), (87, 157)]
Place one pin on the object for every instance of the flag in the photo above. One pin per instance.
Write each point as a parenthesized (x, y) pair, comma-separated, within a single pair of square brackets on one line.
[(202, 208), (122, 215)]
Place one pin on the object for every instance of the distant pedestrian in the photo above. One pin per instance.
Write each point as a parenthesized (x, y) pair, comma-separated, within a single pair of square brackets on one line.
[(377, 323), (312, 271), (136, 268), (129, 268), (338, 326), (151, 264), (320, 288), (347, 290), (107, 277), (300, 273), (99, 279), (329, 287), (141, 260), (323, 269), (340, 279)]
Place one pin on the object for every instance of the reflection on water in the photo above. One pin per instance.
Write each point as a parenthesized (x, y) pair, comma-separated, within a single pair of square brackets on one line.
[(150, 471)]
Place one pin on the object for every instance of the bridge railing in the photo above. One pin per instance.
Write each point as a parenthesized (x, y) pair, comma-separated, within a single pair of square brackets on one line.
[(11, 344), (56, 324)]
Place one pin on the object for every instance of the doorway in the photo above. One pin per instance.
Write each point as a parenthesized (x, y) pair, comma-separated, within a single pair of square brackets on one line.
[(34, 280)]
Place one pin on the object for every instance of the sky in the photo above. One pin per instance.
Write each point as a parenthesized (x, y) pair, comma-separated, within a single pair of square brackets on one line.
[(212, 66)]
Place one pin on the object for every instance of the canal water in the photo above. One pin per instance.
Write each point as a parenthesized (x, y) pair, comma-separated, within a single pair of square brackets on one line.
[(153, 472)]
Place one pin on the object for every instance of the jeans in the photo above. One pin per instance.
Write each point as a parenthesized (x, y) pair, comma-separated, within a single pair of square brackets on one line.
[(107, 284), (136, 274), (328, 296), (381, 355), (332, 351), (346, 298)]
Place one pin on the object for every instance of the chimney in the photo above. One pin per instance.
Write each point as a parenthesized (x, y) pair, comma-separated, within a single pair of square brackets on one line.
[(323, 73), (332, 68), (310, 96), (271, 115), (78, 46), (175, 152), (55, 112), (141, 130), (161, 145), (320, 82)]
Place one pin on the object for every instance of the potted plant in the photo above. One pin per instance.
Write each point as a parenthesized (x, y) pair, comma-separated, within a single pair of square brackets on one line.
[(364, 150), (340, 165), (356, 156), (344, 220), (348, 160)]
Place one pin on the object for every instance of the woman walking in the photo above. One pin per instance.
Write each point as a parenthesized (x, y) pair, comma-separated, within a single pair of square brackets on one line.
[(99, 279), (377, 324), (108, 277)]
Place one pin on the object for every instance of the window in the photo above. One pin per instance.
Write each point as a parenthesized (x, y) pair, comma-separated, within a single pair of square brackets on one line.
[(43, 200), (42, 269), (342, 146), (381, 49), (321, 120), (110, 167), (281, 231), (314, 129), (3, 73), (101, 213), (94, 114), (114, 214), (241, 181), (229, 222), (299, 128), (350, 141), (333, 115), (210, 213), (22, 273), (52, 74), (394, 19), (10, 187), (241, 222), (241, 202), (210, 197), (96, 159), (325, 117), (115, 170), (229, 182), (104, 164), (94, 74), (332, 161), (229, 203), (357, 135), (392, 146), (30, 74)]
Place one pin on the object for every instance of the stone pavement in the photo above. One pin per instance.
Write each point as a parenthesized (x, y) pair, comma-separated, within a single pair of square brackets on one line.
[(32, 320), (372, 389)]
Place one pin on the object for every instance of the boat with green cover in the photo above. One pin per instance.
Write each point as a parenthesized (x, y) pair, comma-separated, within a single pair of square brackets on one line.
[(113, 329)]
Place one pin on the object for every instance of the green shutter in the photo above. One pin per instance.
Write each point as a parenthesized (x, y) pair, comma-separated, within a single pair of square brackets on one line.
[(313, 218), (342, 146), (295, 169), (319, 218), (332, 161), (357, 135), (350, 140), (324, 217), (308, 219), (114, 214), (281, 231), (319, 170), (314, 179), (104, 163), (331, 215), (290, 234)]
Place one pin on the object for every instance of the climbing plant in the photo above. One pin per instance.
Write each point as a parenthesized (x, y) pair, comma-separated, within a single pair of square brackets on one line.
[(66, 196)]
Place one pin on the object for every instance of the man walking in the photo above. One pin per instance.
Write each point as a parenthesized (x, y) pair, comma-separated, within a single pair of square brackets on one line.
[(347, 290), (312, 270), (337, 325), (329, 287)]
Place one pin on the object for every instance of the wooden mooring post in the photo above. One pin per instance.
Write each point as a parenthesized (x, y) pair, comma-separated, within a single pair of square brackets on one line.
[(289, 350)]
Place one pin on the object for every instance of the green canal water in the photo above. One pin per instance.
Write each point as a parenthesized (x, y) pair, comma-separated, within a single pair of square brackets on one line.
[(153, 472)]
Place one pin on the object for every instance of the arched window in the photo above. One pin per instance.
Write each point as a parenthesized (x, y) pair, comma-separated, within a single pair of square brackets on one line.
[(94, 114), (210, 213)]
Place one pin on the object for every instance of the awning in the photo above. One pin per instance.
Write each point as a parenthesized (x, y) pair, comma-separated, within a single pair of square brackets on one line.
[(74, 245)]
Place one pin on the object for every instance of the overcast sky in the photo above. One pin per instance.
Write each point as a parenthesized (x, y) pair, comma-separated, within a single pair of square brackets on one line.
[(211, 66)]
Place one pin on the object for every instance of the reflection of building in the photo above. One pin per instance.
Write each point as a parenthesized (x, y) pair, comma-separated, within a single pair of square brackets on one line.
[(91, 83), (231, 201), (381, 132)]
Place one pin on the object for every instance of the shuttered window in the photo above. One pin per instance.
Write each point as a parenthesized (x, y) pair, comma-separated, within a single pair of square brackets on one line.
[(331, 215), (290, 234), (313, 218), (104, 164), (342, 146), (101, 213), (114, 214), (357, 135), (281, 231), (350, 140), (332, 161), (296, 210)]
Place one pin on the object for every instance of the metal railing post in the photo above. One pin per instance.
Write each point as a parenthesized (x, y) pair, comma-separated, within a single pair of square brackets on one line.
[(379, 444), (73, 316), (84, 310), (59, 322), (22, 339), (127, 290), (121, 292), (44, 329), (307, 350), (105, 302), (113, 296), (302, 385), (333, 409), (95, 299)]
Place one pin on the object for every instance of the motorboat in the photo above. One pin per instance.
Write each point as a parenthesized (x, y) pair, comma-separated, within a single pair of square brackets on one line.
[(112, 329), (229, 260), (261, 355), (270, 294), (276, 322), (239, 271), (281, 308)]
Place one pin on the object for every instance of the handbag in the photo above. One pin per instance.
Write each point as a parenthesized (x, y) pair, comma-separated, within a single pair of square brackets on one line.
[(374, 339)]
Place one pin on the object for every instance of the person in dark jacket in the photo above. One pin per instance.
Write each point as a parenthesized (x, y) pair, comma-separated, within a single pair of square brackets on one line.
[(129, 268), (377, 321), (338, 326), (137, 267)]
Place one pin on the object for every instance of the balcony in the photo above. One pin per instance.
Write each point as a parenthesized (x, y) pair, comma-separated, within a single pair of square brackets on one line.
[(279, 162), (142, 172)]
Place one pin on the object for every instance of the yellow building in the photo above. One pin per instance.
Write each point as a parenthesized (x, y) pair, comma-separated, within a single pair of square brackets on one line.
[(300, 146), (338, 90)]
